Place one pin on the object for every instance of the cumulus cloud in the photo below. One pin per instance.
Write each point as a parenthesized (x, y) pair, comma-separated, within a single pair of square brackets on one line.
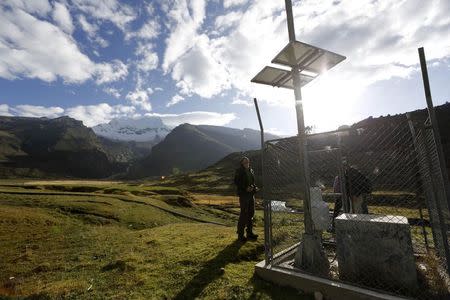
[(92, 115), (185, 18), (150, 30), (37, 7), (196, 118), (4, 110), (192, 60), (107, 11), (227, 21), (113, 92), (91, 30), (33, 48), (147, 57), (242, 42), (200, 71), (140, 98), (62, 17), (175, 99), (276, 131), (230, 3), (109, 72), (37, 111)]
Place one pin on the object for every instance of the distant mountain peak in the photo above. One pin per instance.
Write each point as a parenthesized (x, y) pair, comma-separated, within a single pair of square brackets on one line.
[(142, 129)]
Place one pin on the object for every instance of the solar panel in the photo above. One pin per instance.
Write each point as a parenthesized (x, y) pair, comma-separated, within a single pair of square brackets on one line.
[(307, 57), (279, 78)]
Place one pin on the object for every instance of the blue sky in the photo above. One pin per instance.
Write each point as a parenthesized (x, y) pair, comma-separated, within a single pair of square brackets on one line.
[(192, 61)]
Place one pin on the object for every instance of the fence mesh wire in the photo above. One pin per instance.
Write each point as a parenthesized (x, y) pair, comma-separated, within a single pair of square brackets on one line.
[(387, 173)]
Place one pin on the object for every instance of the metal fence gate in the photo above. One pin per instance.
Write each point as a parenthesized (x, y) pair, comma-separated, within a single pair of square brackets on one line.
[(397, 157)]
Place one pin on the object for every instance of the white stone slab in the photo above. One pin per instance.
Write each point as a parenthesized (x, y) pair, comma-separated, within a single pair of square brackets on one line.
[(376, 251)]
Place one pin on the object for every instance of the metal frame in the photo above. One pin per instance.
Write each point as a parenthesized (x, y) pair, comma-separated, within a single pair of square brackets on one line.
[(267, 203), (440, 154)]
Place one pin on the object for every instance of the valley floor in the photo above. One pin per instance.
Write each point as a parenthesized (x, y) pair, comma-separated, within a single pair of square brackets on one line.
[(95, 240)]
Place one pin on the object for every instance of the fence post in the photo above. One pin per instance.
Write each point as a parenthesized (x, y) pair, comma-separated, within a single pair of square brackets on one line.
[(345, 202), (418, 181), (266, 203), (434, 123), (440, 153)]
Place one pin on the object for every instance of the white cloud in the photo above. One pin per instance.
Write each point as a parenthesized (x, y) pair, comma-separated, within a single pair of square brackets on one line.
[(205, 64), (230, 3), (4, 110), (92, 115), (148, 31), (37, 7), (240, 100), (175, 99), (185, 19), (196, 118), (107, 11), (112, 91), (275, 131), (200, 70), (148, 58), (33, 48), (229, 20), (109, 72), (62, 17), (139, 97), (91, 30), (37, 111)]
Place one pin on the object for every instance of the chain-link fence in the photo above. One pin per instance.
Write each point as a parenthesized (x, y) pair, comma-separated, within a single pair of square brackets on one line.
[(378, 195)]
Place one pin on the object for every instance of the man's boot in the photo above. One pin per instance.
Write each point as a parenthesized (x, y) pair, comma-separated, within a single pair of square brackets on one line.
[(242, 238), (252, 236)]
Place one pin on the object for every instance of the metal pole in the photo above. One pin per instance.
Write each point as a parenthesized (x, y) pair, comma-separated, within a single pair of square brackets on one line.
[(419, 182), (310, 255), (300, 126), (267, 204), (342, 182), (290, 20), (434, 123), (303, 152)]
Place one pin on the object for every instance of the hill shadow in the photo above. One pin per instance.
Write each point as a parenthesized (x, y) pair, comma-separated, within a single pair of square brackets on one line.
[(210, 271)]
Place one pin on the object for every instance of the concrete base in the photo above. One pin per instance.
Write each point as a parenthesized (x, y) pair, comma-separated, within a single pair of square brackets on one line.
[(376, 251), (311, 257), (284, 273)]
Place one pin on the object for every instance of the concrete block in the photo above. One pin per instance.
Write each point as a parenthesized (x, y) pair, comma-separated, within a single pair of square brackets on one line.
[(376, 251)]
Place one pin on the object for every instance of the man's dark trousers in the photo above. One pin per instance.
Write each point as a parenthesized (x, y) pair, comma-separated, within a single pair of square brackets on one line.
[(247, 203)]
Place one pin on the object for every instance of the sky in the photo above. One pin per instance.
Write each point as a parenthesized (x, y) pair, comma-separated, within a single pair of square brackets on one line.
[(192, 60)]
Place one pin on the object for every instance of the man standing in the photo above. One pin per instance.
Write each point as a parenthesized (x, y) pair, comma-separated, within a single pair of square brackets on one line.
[(358, 188), (244, 179)]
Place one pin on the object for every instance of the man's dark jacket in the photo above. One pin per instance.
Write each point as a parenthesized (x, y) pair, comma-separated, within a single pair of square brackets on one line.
[(242, 181)]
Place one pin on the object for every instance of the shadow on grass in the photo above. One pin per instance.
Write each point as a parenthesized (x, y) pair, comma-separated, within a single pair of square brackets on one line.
[(210, 271), (263, 288), (214, 268)]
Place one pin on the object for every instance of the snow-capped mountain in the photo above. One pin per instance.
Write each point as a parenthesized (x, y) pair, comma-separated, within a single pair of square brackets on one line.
[(127, 129)]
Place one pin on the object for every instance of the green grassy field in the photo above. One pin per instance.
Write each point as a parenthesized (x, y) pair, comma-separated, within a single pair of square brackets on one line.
[(93, 240)]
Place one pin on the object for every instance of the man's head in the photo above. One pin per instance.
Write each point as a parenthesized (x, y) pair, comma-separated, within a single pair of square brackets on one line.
[(245, 162)]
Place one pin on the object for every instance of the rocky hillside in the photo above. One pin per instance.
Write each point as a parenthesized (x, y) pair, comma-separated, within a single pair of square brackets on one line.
[(41, 147), (189, 148), (217, 178)]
